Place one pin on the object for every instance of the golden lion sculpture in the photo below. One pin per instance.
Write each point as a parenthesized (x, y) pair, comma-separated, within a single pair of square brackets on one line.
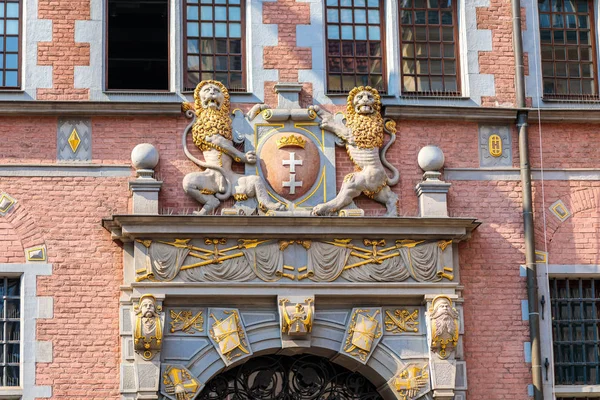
[(363, 135), (212, 134)]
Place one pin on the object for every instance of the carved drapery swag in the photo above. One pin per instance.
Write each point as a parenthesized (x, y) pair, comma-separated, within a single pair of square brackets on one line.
[(166, 261), (422, 262), (325, 262)]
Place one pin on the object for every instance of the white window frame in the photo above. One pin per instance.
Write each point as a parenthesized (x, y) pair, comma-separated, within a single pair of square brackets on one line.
[(544, 273), (30, 312)]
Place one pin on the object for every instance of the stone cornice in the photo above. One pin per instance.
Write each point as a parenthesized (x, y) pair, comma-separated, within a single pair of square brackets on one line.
[(491, 114), (130, 227), (400, 112), (88, 108)]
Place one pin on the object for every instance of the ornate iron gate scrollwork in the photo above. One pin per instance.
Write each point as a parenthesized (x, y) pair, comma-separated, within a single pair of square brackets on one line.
[(289, 378)]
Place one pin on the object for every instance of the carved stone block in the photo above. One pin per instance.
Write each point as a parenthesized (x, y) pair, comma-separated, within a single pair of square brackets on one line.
[(363, 333), (495, 146), (296, 317), (74, 139), (228, 335)]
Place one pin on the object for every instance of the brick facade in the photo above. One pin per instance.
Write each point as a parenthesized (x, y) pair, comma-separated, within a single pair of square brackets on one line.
[(65, 213)]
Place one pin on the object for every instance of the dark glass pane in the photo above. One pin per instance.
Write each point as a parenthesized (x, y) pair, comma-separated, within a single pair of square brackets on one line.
[(333, 47), (221, 46), (235, 63), (235, 46), (334, 83), (221, 63), (362, 65), (12, 376), (361, 49), (13, 309), (375, 49), (335, 65), (13, 332)]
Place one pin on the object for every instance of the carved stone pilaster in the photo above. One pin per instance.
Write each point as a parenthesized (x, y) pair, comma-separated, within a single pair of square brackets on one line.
[(443, 330), (148, 326)]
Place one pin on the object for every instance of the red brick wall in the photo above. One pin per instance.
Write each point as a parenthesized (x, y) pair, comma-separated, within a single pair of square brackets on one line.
[(86, 274), (63, 54)]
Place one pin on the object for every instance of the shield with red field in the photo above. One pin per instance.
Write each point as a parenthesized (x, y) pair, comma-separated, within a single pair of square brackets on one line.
[(290, 163)]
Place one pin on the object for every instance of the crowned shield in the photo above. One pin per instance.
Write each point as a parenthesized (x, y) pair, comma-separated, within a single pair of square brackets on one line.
[(290, 163)]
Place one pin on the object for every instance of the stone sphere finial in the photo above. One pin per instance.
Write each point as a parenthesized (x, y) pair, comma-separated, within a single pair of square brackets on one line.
[(431, 158), (144, 158)]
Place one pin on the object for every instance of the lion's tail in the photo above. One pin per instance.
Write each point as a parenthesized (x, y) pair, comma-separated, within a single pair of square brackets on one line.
[(202, 164), (395, 178)]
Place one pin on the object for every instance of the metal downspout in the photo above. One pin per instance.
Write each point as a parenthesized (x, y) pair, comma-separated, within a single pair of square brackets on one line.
[(530, 265)]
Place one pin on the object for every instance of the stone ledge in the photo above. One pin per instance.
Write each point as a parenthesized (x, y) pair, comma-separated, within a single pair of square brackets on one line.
[(89, 108), (130, 227), (491, 114)]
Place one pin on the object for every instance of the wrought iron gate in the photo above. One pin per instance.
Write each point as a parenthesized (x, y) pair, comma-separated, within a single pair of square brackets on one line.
[(289, 378)]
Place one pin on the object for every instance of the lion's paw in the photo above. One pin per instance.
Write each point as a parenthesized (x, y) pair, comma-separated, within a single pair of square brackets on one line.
[(320, 209)]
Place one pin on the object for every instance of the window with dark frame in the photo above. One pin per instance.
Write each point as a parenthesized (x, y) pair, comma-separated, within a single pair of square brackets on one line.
[(214, 43), (575, 306), (355, 45), (568, 49), (10, 331), (10, 53), (137, 45), (429, 47)]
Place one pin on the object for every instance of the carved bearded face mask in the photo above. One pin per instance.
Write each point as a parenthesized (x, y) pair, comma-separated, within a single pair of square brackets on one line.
[(364, 102), (211, 97), (147, 308)]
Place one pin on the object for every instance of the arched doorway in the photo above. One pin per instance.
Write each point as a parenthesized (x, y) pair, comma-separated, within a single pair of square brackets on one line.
[(303, 377)]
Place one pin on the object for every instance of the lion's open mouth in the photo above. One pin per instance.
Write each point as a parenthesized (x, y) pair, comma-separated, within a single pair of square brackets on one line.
[(211, 103), (364, 109)]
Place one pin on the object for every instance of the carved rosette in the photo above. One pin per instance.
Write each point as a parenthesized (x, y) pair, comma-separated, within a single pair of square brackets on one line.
[(148, 328)]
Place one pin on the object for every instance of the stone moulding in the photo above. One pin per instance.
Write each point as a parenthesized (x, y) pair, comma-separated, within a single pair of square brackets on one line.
[(126, 228)]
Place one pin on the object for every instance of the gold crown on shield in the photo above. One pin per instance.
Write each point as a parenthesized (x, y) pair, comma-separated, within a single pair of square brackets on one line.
[(291, 141)]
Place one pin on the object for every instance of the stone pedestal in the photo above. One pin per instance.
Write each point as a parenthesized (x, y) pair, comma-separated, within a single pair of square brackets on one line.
[(145, 195), (145, 188), (433, 198)]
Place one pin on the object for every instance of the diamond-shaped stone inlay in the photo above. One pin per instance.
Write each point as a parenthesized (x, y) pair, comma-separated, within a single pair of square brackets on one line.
[(74, 140), (6, 203)]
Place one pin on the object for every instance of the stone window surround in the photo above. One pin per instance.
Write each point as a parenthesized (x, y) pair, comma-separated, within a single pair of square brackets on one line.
[(32, 308), (532, 47), (473, 84), (546, 271), (258, 36)]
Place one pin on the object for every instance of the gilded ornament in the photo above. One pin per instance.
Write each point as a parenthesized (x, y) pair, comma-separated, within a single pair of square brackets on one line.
[(444, 326), (148, 331), (444, 243), (364, 328), (178, 382), (74, 140), (495, 145), (291, 141), (409, 382), (229, 335), (240, 197), (402, 321), (186, 321), (363, 134), (299, 322), (211, 130)]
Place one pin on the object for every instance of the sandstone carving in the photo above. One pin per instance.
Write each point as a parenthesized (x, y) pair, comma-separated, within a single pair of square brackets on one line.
[(212, 134), (363, 135), (148, 333), (444, 326)]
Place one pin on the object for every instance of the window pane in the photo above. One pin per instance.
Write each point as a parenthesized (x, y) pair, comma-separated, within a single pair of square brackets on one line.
[(354, 32), (559, 28), (220, 45)]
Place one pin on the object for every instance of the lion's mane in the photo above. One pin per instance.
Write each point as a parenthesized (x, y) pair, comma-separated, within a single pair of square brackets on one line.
[(366, 129), (211, 122)]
